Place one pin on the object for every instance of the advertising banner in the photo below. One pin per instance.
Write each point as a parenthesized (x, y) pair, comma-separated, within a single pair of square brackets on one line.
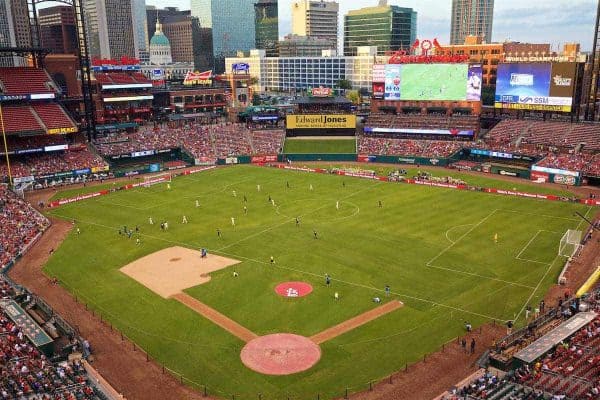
[(198, 78), (535, 86), (379, 73), (393, 79), (321, 121), (409, 131), (378, 90), (263, 159), (60, 131)]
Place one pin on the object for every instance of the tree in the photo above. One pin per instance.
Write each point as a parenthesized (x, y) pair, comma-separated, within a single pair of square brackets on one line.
[(344, 84), (353, 96)]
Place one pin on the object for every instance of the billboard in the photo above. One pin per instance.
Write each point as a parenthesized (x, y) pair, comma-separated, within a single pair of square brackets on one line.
[(378, 90), (198, 78), (536, 86), (426, 82), (321, 121)]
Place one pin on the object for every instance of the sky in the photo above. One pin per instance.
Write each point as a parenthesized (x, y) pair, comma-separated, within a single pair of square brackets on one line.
[(540, 21)]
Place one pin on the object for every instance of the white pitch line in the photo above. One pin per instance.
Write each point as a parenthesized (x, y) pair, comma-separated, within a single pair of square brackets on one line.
[(460, 238), (365, 287), (452, 228), (518, 257), (188, 245), (537, 215), (480, 276), (291, 219)]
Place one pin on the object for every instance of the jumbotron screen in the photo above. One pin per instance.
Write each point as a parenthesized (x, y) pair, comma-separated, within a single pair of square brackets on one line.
[(536, 86), (425, 82)]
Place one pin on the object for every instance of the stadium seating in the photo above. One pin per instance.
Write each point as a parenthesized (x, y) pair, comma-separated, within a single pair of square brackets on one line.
[(19, 225), (21, 119), (52, 115), (407, 147), (25, 80), (202, 141)]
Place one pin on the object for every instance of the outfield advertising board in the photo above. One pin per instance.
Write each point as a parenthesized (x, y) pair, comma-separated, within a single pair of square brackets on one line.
[(536, 86), (426, 82), (333, 121)]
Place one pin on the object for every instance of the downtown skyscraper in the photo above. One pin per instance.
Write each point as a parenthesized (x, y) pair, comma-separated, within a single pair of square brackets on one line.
[(471, 18)]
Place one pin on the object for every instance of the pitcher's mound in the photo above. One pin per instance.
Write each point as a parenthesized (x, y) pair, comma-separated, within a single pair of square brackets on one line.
[(280, 354), (293, 289), (170, 271)]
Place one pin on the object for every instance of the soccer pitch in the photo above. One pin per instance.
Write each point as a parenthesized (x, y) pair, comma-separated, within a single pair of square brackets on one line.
[(434, 82), (434, 247)]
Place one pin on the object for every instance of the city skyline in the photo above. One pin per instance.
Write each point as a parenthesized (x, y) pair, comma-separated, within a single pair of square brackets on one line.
[(571, 20)]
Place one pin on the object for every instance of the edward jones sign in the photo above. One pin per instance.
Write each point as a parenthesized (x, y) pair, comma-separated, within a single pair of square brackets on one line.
[(333, 121)]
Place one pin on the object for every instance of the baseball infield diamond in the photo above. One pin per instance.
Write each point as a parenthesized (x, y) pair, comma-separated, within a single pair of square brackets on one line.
[(170, 271)]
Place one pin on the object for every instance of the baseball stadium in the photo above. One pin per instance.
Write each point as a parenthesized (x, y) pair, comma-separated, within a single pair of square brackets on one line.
[(177, 241)]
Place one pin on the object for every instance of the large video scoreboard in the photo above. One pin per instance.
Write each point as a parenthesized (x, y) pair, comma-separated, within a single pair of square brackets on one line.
[(426, 82), (542, 86)]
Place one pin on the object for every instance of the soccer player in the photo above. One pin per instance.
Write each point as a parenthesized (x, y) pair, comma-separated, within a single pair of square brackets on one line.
[(166, 226), (380, 204), (168, 186), (495, 238), (287, 184), (327, 280), (138, 241), (184, 220), (245, 210), (310, 187), (78, 231), (234, 193), (343, 183), (245, 199), (197, 204), (218, 233), (258, 188), (336, 296), (315, 234), (272, 260), (297, 222), (233, 222), (150, 221), (387, 290), (337, 205), (273, 202)]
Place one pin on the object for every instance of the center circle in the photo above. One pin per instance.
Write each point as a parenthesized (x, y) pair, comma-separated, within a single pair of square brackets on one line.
[(280, 354), (293, 289)]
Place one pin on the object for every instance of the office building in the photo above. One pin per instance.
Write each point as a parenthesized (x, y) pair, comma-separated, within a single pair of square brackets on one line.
[(266, 26), (162, 14), (14, 30), (289, 74), (58, 32), (303, 46), (109, 25), (471, 18), (390, 28), (232, 24), (317, 19), (140, 29)]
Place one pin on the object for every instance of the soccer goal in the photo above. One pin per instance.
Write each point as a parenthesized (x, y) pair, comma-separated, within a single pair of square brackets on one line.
[(570, 243), (156, 179)]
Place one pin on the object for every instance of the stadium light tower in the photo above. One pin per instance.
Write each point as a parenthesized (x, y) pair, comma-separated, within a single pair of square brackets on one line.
[(594, 73)]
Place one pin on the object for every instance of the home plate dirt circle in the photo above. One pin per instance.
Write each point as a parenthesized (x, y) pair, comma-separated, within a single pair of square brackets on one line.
[(293, 289), (280, 354)]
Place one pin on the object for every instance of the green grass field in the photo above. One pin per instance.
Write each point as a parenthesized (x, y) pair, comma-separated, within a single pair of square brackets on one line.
[(434, 247), (319, 146)]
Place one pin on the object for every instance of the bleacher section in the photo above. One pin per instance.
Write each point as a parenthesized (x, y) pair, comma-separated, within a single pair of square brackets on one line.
[(202, 141), (53, 116), (417, 121), (21, 118), (24, 81)]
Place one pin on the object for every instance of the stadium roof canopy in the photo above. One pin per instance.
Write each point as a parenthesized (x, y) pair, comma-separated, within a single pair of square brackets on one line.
[(544, 344)]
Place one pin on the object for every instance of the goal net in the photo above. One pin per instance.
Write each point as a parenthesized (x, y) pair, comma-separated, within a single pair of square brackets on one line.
[(156, 179), (570, 243)]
